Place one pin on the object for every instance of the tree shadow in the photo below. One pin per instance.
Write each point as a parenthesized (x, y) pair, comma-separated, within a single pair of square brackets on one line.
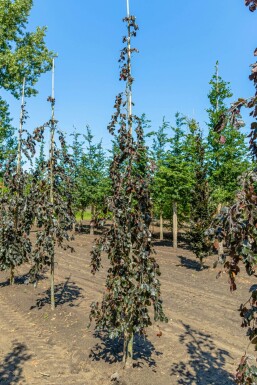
[(191, 264), (65, 293), (111, 350), (163, 243), (24, 279), (12, 366), (206, 362), (83, 227)]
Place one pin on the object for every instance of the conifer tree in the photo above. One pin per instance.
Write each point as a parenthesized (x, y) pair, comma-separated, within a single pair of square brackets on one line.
[(227, 154), (200, 216), (158, 154), (90, 174)]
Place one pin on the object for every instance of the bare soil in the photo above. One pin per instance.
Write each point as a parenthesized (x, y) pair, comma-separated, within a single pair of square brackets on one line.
[(201, 344)]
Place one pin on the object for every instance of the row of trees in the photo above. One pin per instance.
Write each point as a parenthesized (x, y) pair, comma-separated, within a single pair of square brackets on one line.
[(176, 155), (45, 194), (172, 148), (183, 170)]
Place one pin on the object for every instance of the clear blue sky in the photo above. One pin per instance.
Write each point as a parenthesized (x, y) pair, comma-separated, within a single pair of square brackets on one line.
[(179, 43)]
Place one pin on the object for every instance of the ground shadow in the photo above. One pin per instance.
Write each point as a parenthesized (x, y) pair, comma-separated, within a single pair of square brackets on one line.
[(163, 243), (111, 350), (168, 240), (205, 363), (11, 367), (24, 279), (191, 264), (83, 227), (65, 293)]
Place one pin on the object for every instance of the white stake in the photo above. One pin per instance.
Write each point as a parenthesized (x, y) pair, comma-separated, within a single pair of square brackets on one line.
[(128, 11), (21, 127), (217, 85), (53, 79), (52, 184), (129, 88)]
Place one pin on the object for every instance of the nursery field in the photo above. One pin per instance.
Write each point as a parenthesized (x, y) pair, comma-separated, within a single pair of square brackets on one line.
[(199, 345)]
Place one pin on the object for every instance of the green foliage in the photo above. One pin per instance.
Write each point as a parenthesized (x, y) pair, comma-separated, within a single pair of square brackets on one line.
[(173, 173), (200, 217), (89, 173), (227, 154), (22, 54)]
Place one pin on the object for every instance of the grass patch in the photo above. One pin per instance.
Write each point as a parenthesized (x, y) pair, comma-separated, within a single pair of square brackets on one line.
[(87, 216)]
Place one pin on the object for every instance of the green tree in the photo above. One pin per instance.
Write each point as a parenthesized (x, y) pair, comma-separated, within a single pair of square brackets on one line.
[(200, 217), (227, 154), (90, 175), (158, 155), (23, 54), (174, 177)]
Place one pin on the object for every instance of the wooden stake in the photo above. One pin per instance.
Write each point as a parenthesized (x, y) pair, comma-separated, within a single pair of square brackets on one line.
[(217, 85), (221, 246), (18, 169), (128, 11), (52, 183), (161, 226), (128, 87), (21, 127)]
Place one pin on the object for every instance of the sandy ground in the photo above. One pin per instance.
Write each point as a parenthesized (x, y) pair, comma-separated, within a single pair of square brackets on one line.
[(201, 344)]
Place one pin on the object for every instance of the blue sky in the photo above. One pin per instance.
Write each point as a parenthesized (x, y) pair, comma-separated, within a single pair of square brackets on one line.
[(179, 43)]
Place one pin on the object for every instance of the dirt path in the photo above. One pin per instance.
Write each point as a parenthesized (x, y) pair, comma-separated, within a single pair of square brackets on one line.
[(201, 344)]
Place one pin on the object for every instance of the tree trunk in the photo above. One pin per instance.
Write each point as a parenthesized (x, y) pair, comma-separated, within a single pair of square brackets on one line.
[(175, 226), (152, 222), (201, 263), (12, 276), (220, 247), (52, 284), (51, 161), (128, 350), (92, 223), (161, 226)]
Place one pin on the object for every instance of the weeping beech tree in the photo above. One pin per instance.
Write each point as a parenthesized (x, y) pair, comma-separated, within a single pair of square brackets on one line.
[(132, 284), (237, 226), (17, 215), (52, 199)]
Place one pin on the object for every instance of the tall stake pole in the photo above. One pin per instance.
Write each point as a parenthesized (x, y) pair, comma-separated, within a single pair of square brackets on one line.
[(129, 335), (18, 170), (217, 85), (52, 181), (129, 86), (220, 247), (52, 140), (21, 127)]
